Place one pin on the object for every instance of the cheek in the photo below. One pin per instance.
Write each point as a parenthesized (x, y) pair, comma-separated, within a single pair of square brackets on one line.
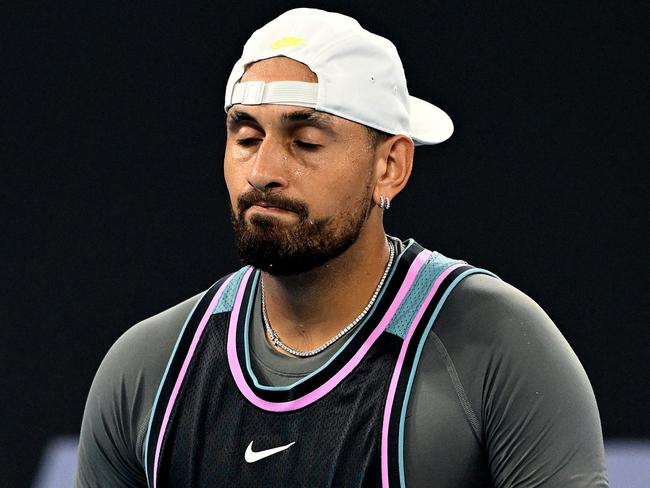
[(234, 178), (228, 175), (355, 165), (349, 189)]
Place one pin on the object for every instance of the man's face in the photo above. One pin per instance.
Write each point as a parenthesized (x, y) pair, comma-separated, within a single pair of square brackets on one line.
[(300, 181)]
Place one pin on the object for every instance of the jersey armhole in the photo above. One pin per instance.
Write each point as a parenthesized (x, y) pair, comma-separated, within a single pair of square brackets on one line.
[(201, 302)]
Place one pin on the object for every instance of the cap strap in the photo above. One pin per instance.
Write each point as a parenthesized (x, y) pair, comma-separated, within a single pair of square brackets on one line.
[(281, 92)]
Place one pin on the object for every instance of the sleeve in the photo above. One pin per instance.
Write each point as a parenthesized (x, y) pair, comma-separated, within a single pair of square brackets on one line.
[(117, 409), (538, 412)]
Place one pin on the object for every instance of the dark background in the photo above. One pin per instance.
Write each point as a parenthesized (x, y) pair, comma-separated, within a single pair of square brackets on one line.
[(114, 206)]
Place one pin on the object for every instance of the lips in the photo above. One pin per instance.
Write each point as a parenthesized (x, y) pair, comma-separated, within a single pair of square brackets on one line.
[(266, 205), (271, 203), (266, 208)]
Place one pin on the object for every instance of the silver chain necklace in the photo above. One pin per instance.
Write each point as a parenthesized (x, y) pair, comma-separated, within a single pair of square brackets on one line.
[(274, 335)]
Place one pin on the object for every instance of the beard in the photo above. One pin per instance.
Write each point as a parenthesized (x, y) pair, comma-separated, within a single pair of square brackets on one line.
[(284, 249)]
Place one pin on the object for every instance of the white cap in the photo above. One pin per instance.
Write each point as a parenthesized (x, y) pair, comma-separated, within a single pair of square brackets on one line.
[(360, 75)]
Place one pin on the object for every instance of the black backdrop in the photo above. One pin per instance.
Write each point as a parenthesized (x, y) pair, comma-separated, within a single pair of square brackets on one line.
[(114, 206)]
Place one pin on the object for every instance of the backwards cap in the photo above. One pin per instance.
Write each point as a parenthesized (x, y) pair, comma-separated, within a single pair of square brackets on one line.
[(360, 75)]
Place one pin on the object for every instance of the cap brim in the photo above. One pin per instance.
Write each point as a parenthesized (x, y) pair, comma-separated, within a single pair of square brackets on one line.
[(429, 124)]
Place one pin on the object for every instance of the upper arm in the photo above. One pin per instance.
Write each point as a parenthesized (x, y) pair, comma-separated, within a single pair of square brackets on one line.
[(120, 398), (107, 453), (537, 409)]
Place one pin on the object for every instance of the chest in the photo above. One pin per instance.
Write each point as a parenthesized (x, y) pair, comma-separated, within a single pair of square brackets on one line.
[(214, 423)]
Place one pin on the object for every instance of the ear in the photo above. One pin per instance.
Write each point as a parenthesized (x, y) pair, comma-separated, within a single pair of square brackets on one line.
[(394, 162)]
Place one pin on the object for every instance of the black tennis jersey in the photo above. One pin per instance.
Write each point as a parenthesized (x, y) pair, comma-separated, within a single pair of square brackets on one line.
[(214, 424)]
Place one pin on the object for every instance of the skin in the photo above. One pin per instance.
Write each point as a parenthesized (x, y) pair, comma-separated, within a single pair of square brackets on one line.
[(326, 163)]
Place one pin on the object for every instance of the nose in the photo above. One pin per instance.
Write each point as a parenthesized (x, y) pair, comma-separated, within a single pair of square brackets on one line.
[(269, 166)]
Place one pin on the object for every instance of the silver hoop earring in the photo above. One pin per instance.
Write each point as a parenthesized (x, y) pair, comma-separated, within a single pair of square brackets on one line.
[(384, 202)]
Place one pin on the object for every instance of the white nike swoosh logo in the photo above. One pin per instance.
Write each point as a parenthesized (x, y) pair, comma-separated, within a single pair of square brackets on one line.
[(251, 456)]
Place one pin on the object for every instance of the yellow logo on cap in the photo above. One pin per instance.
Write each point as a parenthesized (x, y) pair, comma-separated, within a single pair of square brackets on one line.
[(287, 41)]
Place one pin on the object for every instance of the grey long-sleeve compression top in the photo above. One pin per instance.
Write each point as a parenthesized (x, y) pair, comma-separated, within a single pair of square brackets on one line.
[(499, 398)]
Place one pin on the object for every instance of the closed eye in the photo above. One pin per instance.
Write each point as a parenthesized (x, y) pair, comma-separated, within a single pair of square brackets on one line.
[(307, 145), (248, 141)]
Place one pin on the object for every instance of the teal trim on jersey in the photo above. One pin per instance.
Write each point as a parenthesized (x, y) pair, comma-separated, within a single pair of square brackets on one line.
[(162, 382), (227, 300), (432, 269), (416, 360), (409, 242)]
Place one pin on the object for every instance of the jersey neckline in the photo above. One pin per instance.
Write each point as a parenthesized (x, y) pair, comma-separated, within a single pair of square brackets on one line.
[(318, 383)]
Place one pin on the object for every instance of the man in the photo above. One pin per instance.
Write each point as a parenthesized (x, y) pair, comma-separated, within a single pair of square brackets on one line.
[(338, 356)]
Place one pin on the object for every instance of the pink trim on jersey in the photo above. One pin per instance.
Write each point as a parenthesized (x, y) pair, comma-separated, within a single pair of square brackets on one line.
[(398, 368), (329, 385), (181, 375)]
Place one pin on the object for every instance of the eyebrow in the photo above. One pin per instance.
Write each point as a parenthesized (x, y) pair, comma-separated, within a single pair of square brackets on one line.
[(300, 117), (307, 117)]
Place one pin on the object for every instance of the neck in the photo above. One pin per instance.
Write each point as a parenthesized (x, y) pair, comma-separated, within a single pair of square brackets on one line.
[(308, 309)]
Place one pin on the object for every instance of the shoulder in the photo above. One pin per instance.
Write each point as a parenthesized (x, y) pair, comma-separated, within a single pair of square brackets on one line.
[(486, 332), (147, 344), (142, 352), (479, 298), (498, 319), (136, 361), (497, 336)]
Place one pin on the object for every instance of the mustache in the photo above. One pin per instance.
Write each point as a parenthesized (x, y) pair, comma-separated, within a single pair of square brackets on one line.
[(250, 198)]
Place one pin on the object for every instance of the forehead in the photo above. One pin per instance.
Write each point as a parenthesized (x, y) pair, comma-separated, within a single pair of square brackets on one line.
[(281, 68)]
